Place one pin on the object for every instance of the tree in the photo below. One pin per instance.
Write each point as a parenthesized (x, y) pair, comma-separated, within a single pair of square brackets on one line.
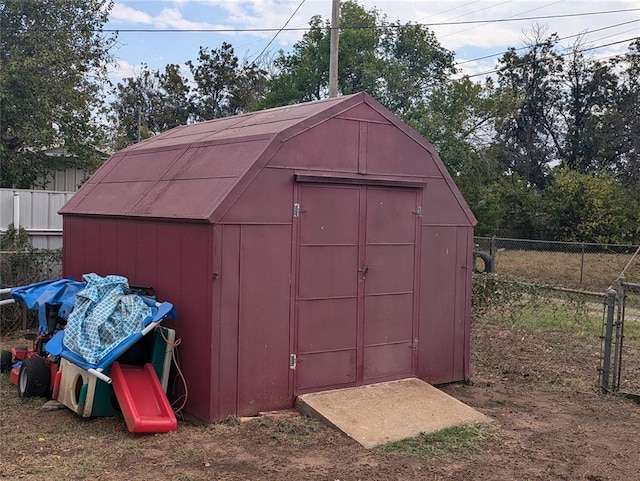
[(155, 100), (528, 138), (589, 100), (53, 57), (588, 207), (624, 120), (458, 118), (224, 86), (399, 65), (413, 66)]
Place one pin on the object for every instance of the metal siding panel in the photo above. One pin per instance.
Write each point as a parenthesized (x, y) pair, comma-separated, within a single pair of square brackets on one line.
[(146, 255), (327, 370), (269, 198), (391, 269), (175, 260), (364, 112), (441, 207), (437, 304), (389, 283), (328, 271), (387, 361), (126, 248), (6, 208), (332, 145), (194, 324), (168, 265), (108, 239), (389, 319), (215, 324), (38, 210), (392, 151), (73, 247), (263, 366), (56, 201), (91, 248), (26, 208), (322, 319), (229, 309), (329, 215), (391, 217), (463, 303)]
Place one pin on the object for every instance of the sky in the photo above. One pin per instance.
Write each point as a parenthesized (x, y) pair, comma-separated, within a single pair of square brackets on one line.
[(157, 33)]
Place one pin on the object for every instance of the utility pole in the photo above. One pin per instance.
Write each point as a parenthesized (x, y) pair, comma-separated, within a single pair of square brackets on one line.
[(138, 121), (333, 54)]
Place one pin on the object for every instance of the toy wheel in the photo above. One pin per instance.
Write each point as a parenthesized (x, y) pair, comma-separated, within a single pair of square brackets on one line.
[(6, 361), (33, 379)]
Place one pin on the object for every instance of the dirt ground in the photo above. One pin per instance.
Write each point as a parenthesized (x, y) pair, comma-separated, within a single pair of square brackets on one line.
[(539, 388)]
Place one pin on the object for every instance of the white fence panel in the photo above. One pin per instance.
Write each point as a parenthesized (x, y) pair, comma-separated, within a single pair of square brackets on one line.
[(37, 212)]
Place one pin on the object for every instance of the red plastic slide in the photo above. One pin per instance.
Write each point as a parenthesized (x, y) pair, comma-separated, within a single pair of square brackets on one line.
[(144, 405)]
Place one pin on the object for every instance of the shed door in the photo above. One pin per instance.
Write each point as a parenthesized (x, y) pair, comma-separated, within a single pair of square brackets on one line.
[(355, 305)]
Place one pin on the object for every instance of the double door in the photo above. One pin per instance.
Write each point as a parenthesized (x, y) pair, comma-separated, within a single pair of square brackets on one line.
[(355, 303)]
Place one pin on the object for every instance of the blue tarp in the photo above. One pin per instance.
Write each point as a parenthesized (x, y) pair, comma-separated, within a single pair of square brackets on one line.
[(104, 314), (56, 292)]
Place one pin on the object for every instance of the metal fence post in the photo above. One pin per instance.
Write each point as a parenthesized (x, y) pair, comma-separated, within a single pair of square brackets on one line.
[(25, 282), (581, 262), (608, 336), (617, 355)]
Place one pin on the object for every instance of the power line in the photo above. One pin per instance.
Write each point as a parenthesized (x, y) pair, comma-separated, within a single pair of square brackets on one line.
[(364, 27), (512, 16), (561, 55), (561, 38), (479, 10), (278, 32), (450, 9)]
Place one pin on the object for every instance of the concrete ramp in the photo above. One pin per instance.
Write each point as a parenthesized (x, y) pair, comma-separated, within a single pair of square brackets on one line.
[(390, 411)]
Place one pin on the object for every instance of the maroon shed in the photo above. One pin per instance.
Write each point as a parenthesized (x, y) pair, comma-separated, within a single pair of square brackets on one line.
[(309, 247)]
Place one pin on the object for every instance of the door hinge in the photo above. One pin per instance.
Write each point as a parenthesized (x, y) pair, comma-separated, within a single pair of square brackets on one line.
[(293, 361), (418, 211), (296, 210), (413, 345)]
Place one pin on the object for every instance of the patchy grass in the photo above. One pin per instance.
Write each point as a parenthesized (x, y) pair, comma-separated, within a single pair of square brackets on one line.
[(298, 429), (599, 271), (462, 439)]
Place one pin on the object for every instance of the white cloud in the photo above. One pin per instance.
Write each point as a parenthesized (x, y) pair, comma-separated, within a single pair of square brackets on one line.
[(123, 13), (169, 18), (122, 69)]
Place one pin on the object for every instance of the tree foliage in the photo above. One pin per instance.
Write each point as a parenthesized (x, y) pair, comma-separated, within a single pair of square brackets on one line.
[(590, 207), (148, 104), (527, 137), (224, 85), (53, 58), (398, 64)]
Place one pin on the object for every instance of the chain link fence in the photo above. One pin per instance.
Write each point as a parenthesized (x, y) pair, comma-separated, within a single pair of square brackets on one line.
[(625, 367), (576, 265), (601, 278), (21, 268)]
